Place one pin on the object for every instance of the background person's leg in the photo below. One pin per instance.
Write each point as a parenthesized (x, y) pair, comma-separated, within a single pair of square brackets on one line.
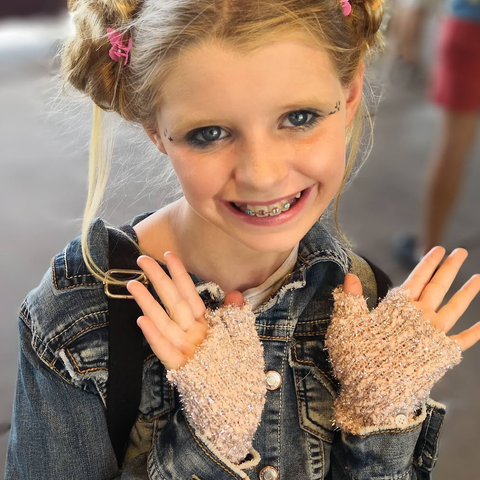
[(445, 174)]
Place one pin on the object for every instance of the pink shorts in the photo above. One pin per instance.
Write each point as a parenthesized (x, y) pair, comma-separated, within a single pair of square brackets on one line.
[(455, 83)]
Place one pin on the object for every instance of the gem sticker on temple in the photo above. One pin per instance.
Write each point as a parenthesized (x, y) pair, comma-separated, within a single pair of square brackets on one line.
[(165, 132), (336, 109)]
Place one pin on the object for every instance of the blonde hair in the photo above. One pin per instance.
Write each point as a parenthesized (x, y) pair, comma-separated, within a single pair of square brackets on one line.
[(162, 30)]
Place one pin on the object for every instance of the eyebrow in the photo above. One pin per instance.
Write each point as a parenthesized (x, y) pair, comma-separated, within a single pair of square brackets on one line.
[(187, 125)]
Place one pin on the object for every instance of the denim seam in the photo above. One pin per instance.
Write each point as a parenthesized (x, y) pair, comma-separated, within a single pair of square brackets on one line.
[(326, 254), (25, 319), (392, 430), (66, 268), (427, 427), (74, 323), (86, 329), (300, 416), (284, 359), (283, 327), (275, 338), (41, 356), (71, 286), (209, 455), (310, 334), (322, 451), (309, 362), (323, 320), (79, 370)]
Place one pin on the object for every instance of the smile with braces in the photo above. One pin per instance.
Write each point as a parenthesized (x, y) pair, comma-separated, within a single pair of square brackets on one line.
[(277, 209)]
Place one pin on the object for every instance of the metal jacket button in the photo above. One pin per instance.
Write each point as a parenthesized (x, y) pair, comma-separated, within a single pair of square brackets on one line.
[(268, 473), (273, 380), (401, 420)]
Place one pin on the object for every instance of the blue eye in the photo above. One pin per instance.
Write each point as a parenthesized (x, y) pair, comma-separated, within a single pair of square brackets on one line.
[(207, 136)]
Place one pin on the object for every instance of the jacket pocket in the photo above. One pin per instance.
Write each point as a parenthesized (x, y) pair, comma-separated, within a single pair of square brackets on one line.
[(426, 449), (315, 389)]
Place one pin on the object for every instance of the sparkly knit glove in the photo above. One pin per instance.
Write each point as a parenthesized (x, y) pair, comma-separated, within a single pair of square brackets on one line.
[(222, 387), (386, 360)]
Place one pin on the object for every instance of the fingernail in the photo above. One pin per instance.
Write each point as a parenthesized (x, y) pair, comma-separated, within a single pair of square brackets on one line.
[(166, 253)]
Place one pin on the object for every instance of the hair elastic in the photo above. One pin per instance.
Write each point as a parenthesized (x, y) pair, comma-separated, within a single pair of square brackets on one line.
[(119, 49), (346, 7)]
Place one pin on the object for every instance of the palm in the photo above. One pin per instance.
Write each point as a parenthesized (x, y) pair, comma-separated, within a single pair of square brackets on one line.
[(175, 331), (427, 292)]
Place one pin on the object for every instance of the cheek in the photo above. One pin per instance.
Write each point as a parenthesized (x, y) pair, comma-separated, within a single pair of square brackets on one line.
[(323, 158), (192, 173)]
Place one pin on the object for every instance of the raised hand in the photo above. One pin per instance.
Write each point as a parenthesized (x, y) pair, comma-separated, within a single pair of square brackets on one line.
[(388, 359), (222, 384), (427, 292), (175, 333)]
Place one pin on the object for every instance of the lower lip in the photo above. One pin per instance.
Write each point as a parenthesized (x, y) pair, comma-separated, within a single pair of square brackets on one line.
[(277, 219)]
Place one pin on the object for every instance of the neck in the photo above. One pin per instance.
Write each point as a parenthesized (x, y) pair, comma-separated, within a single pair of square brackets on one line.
[(216, 256)]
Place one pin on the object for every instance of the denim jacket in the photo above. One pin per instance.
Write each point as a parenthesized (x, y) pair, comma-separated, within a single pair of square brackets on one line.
[(59, 428)]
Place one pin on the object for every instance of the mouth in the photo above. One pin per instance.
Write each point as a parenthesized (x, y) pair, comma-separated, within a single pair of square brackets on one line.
[(268, 209)]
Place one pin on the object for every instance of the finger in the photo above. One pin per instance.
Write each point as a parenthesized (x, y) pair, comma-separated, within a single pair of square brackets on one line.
[(434, 293), (449, 314), (234, 298), (177, 307), (164, 324), (422, 273), (162, 348), (185, 285), (468, 338), (151, 308), (352, 284)]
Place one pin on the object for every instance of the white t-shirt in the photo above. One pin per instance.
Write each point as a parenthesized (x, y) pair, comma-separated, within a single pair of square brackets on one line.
[(257, 295)]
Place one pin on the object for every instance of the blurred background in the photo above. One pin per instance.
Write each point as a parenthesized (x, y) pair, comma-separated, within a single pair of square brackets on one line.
[(43, 185)]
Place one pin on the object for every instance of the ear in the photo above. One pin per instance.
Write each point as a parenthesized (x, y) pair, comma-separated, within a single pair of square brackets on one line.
[(155, 138), (353, 95)]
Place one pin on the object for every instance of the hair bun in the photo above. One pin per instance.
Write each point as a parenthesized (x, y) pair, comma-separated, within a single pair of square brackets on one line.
[(86, 63), (366, 19)]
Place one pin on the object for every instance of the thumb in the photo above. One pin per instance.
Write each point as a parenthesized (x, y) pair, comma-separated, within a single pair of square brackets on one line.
[(352, 284), (234, 297)]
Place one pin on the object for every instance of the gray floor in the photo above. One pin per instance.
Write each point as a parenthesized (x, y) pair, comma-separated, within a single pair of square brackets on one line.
[(43, 185)]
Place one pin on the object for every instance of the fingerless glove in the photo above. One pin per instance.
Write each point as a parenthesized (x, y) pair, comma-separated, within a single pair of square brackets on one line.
[(386, 360), (222, 387)]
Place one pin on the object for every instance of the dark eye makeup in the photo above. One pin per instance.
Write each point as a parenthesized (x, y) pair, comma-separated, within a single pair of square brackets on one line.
[(207, 136)]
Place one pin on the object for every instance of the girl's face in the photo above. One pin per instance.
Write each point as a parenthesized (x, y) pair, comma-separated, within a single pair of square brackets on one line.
[(254, 128)]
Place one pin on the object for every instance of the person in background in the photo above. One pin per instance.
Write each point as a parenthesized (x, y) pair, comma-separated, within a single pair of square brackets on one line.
[(455, 87)]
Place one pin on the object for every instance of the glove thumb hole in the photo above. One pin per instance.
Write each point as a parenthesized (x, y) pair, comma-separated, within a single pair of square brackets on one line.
[(349, 301)]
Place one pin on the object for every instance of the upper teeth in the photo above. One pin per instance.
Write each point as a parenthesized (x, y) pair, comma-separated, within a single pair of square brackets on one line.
[(267, 209)]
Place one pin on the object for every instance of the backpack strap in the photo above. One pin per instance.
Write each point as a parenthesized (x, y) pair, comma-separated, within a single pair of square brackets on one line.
[(125, 343), (375, 281)]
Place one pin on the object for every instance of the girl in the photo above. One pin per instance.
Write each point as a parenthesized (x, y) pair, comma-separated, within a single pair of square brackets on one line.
[(255, 103)]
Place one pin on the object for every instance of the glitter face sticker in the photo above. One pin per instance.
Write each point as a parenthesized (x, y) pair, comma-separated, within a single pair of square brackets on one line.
[(337, 108), (165, 133)]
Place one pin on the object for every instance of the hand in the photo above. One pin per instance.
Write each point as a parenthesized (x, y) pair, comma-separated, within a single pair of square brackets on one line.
[(175, 333), (427, 292)]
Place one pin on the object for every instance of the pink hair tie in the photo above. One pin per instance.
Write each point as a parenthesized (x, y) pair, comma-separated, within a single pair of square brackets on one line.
[(346, 7), (118, 49)]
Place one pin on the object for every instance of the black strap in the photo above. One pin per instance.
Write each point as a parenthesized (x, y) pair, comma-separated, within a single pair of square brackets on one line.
[(125, 364)]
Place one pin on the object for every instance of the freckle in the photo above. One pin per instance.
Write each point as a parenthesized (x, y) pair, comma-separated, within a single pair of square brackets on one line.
[(170, 138)]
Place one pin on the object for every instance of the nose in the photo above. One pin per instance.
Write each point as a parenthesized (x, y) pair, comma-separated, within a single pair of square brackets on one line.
[(263, 164)]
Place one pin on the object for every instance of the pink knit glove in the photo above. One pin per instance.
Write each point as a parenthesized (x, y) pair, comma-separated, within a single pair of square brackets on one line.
[(386, 360), (222, 387)]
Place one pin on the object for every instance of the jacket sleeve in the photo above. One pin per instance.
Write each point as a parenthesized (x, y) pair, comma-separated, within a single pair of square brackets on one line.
[(408, 453), (60, 431)]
